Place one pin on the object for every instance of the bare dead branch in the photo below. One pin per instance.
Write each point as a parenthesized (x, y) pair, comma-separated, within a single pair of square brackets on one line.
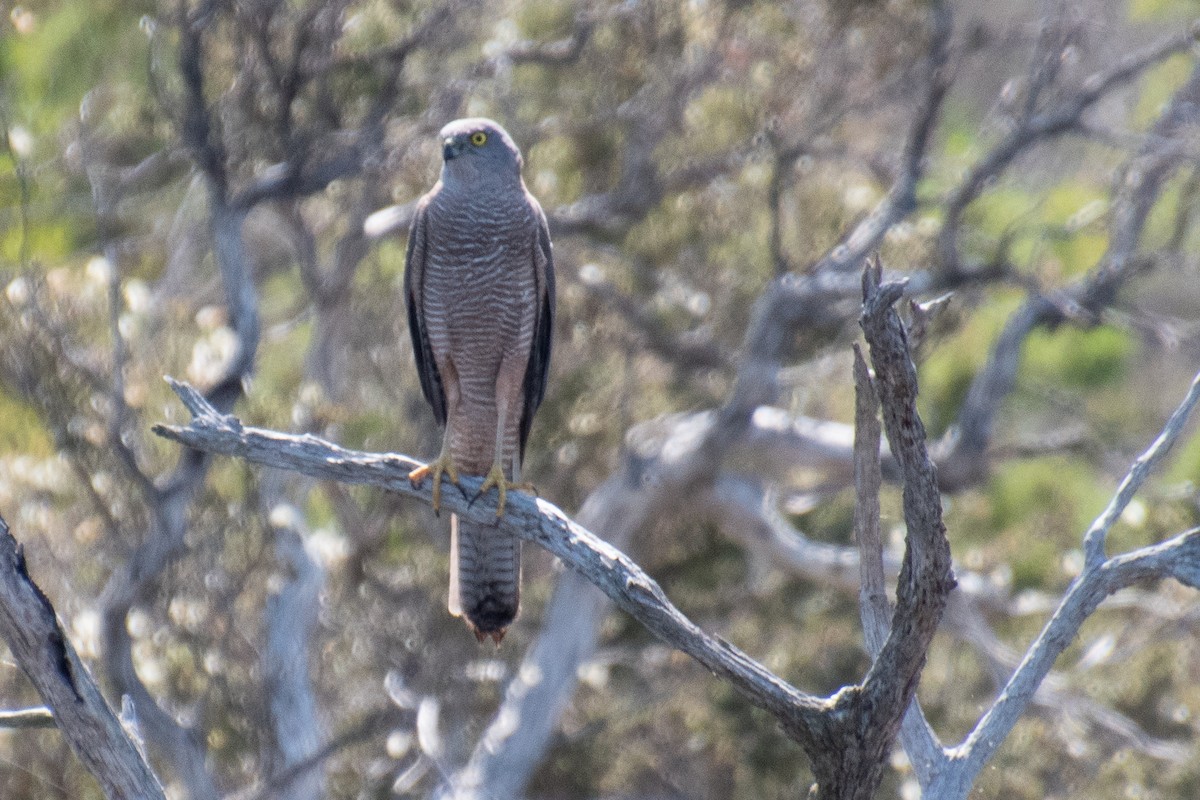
[(886, 690), (1096, 536), (916, 736), (35, 637), (1178, 558), (873, 605), (870, 714), (745, 510), (533, 520)]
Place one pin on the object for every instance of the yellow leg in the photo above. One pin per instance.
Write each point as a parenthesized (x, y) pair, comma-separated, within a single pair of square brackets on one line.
[(495, 476), (443, 465)]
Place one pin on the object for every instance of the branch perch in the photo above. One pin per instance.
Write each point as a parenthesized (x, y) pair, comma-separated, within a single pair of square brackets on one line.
[(534, 520)]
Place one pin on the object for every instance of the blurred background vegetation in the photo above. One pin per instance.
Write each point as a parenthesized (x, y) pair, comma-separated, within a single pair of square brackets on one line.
[(687, 153)]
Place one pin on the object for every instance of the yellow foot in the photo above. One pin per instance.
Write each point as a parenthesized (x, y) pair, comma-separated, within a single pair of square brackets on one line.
[(443, 465), (496, 478)]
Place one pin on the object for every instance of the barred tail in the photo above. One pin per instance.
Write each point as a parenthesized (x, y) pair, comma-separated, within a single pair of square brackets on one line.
[(485, 576)]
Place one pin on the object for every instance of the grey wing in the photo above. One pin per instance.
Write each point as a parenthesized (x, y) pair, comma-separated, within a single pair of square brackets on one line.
[(538, 369), (414, 271)]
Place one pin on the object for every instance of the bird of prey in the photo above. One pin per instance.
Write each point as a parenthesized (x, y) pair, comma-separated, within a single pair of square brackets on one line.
[(479, 286)]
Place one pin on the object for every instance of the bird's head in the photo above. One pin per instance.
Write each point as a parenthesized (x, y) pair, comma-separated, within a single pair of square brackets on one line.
[(479, 147)]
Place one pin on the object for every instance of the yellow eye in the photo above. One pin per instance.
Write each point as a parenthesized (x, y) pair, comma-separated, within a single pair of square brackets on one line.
[(479, 138)]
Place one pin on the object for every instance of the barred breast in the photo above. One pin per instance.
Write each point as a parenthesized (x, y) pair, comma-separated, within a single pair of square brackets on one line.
[(480, 307)]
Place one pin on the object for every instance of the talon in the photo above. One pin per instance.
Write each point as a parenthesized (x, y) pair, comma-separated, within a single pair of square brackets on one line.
[(495, 478), (442, 466)]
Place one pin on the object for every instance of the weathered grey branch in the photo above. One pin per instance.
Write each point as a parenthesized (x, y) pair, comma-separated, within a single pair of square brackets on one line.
[(803, 715), (854, 748), (1178, 558), (876, 706), (531, 519), (873, 605), (1096, 536), (37, 642), (916, 736)]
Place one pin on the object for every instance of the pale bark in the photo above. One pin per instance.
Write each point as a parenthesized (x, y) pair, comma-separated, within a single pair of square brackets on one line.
[(37, 642)]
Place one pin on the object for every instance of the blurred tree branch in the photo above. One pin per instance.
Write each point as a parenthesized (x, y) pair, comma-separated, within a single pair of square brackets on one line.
[(1034, 126), (27, 718), (963, 453)]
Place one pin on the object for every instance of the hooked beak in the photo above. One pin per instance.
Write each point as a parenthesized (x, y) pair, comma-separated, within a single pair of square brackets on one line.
[(451, 147)]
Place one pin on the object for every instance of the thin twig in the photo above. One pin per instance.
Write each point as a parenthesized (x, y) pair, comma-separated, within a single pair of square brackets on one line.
[(28, 718)]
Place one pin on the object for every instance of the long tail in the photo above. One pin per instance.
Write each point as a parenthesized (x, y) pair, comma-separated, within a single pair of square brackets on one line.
[(485, 576)]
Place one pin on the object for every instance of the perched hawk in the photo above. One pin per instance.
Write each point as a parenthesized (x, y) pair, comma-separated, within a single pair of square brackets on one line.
[(479, 285)]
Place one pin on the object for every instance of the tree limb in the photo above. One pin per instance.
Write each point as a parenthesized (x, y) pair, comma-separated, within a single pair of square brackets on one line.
[(868, 716), (1178, 558), (827, 734), (531, 519), (36, 639)]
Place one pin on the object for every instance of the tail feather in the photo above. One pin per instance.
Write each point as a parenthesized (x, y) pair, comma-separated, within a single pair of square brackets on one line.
[(485, 576)]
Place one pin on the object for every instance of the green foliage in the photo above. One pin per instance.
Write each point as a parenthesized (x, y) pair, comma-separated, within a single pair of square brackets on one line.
[(545, 21), (1082, 358), (1145, 10), (1040, 509), (1185, 464), (1158, 85), (21, 430), (721, 118), (1174, 203), (947, 371)]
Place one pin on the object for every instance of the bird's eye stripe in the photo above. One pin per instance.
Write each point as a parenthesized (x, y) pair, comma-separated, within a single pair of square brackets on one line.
[(478, 138)]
